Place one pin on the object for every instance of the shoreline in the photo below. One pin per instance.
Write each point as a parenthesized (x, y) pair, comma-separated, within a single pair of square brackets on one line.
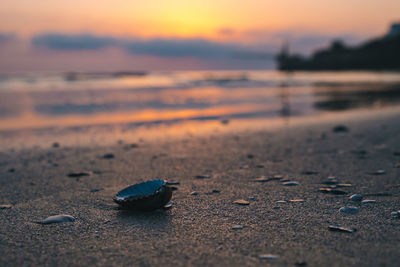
[(113, 133)]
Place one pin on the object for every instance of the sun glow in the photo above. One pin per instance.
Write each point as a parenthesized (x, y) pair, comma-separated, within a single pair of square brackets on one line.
[(194, 18)]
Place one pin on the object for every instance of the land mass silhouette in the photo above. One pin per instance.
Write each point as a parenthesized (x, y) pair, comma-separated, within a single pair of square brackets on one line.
[(378, 54)]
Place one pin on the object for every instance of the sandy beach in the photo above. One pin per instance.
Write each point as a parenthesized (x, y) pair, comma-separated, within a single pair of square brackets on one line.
[(199, 133), (198, 229)]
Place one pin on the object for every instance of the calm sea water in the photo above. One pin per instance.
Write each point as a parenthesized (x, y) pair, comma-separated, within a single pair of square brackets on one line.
[(79, 99)]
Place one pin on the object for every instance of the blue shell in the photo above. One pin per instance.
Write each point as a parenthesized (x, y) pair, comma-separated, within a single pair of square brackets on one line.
[(146, 196)]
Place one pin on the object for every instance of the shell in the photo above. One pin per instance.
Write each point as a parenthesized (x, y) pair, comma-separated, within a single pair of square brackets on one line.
[(58, 219), (340, 228), (349, 209), (356, 197), (146, 196), (241, 202)]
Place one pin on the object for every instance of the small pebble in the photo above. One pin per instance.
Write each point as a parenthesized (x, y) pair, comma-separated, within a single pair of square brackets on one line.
[(267, 257), (5, 206), (108, 156), (94, 190), (79, 174), (202, 176), (172, 182), (332, 191), (331, 182), (356, 197), (214, 191), (339, 228), (378, 172), (55, 144), (290, 183), (349, 209), (340, 129), (309, 172), (368, 201), (58, 219), (241, 202), (237, 227)]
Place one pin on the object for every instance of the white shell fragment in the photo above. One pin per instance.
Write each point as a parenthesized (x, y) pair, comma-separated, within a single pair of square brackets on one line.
[(267, 257), (262, 179), (339, 228), (241, 202), (368, 201), (290, 183), (58, 219)]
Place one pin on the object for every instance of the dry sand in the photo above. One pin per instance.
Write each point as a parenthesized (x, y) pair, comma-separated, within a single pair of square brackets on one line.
[(198, 229)]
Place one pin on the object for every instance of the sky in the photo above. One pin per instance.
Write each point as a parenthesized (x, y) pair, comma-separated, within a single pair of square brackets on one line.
[(93, 35)]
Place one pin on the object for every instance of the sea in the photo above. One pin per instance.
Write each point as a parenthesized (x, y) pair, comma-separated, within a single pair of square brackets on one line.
[(49, 103)]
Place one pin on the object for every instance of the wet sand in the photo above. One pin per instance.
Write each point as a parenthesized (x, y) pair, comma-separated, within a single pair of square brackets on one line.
[(198, 229)]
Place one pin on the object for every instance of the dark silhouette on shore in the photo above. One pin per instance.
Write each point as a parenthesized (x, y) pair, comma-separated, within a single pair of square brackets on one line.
[(377, 54)]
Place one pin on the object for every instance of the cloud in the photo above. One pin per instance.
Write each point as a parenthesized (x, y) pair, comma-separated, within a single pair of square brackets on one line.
[(58, 41), (160, 47), (175, 47)]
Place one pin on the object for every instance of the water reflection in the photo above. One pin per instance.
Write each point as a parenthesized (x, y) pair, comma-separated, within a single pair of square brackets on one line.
[(337, 99), (79, 99)]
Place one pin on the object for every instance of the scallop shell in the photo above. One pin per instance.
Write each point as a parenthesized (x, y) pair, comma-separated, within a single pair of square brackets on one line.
[(146, 196)]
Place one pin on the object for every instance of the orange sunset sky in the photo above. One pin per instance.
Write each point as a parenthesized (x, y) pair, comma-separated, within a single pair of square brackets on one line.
[(88, 34)]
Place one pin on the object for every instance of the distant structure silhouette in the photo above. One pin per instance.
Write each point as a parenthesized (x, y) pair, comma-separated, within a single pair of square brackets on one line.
[(377, 54), (394, 30)]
